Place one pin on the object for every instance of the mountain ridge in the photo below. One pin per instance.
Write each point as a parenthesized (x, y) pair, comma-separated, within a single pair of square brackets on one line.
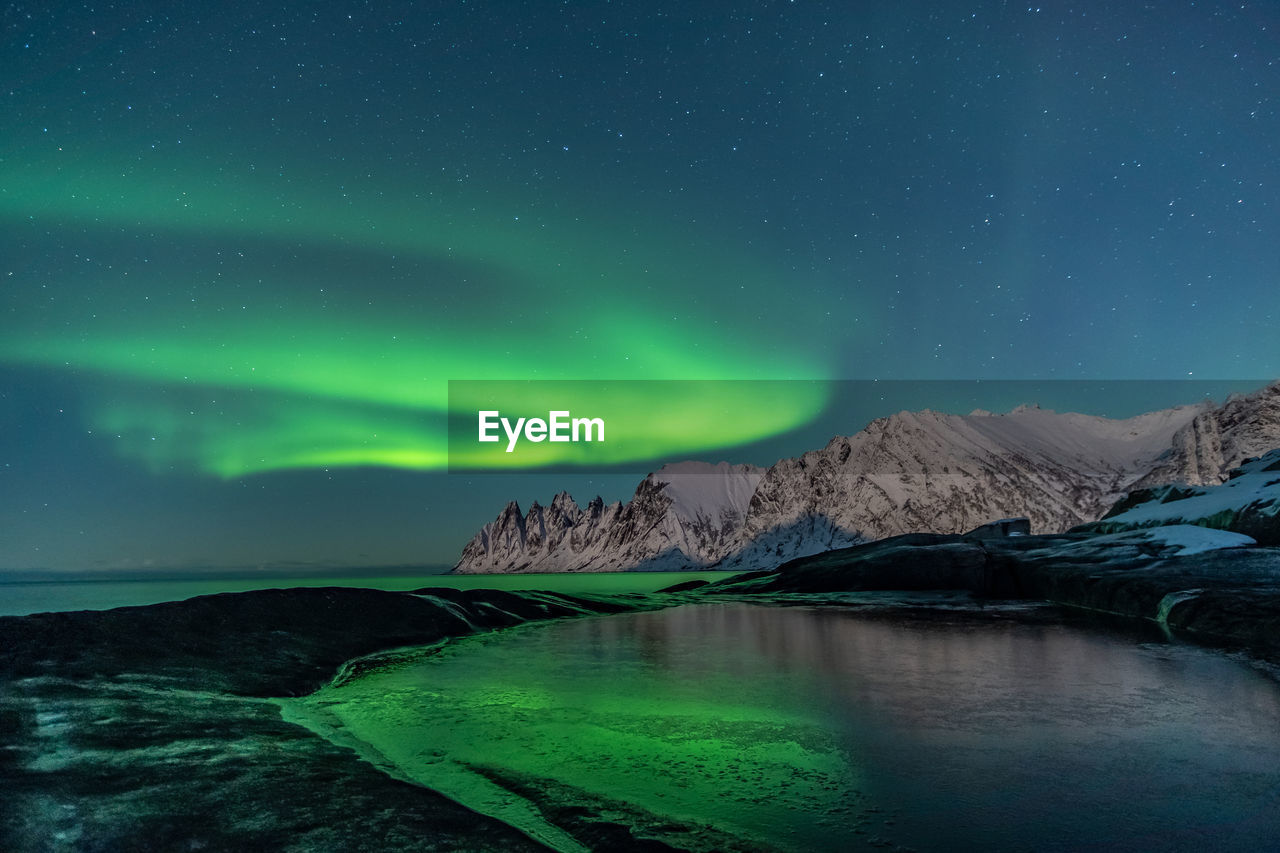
[(909, 472)]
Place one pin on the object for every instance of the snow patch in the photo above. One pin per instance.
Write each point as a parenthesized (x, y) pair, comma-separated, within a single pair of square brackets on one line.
[(1252, 486), (1192, 539), (707, 491), (1181, 539)]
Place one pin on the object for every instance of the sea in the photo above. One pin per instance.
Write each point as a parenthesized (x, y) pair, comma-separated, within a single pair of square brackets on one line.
[(25, 595)]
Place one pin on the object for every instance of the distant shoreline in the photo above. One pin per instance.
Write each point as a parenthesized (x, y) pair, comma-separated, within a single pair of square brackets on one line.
[(69, 594)]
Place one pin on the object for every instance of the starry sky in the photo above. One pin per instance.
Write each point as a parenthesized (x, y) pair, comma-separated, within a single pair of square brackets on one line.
[(244, 248)]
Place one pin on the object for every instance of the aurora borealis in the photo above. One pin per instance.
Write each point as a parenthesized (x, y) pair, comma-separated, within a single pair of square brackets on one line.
[(352, 370), (244, 251)]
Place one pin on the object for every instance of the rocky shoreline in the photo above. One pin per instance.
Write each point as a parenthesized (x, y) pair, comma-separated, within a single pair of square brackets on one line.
[(148, 727), (153, 726), (1226, 598)]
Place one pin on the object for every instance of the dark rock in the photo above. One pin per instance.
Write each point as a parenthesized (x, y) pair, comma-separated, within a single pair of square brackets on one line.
[(142, 727), (686, 586), (1001, 529), (1161, 494), (1248, 618), (1127, 575), (913, 561)]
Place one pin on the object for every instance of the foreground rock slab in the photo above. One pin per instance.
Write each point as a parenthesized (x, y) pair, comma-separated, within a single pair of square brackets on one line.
[(146, 727)]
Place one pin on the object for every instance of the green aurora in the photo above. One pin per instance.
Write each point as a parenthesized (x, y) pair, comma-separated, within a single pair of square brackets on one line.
[(271, 377), (245, 254)]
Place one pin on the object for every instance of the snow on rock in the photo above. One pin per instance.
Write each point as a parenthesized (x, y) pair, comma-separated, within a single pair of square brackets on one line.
[(1219, 439), (930, 472), (699, 490), (1191, 539), (1248, 503), (1171, 540), (678, 518), (911, 472)]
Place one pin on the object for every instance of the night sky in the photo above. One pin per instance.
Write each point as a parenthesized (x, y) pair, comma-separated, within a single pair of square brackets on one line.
[(243, 247)]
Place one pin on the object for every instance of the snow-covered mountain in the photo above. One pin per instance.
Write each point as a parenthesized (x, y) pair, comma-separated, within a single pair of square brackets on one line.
[(931, 472), (681, 515), (911, 472), (1218, 439), (1248, 503)]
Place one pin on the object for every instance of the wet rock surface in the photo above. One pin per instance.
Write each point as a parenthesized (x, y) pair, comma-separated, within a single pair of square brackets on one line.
[(272, 642), (138, 764), (145, 727)]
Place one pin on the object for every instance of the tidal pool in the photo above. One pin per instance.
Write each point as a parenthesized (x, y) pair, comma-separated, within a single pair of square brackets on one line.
[(823, 728)]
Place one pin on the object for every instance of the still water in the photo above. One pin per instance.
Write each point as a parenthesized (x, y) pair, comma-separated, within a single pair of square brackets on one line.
[(810, 728)]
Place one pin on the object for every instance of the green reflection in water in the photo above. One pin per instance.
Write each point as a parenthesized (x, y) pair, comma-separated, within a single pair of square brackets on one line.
[(956, 727), (693, 734)]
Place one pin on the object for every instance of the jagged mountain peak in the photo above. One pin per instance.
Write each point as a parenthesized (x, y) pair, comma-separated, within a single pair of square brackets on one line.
[(908, 472), (678, 517), (563, 502), (1220, 438)]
